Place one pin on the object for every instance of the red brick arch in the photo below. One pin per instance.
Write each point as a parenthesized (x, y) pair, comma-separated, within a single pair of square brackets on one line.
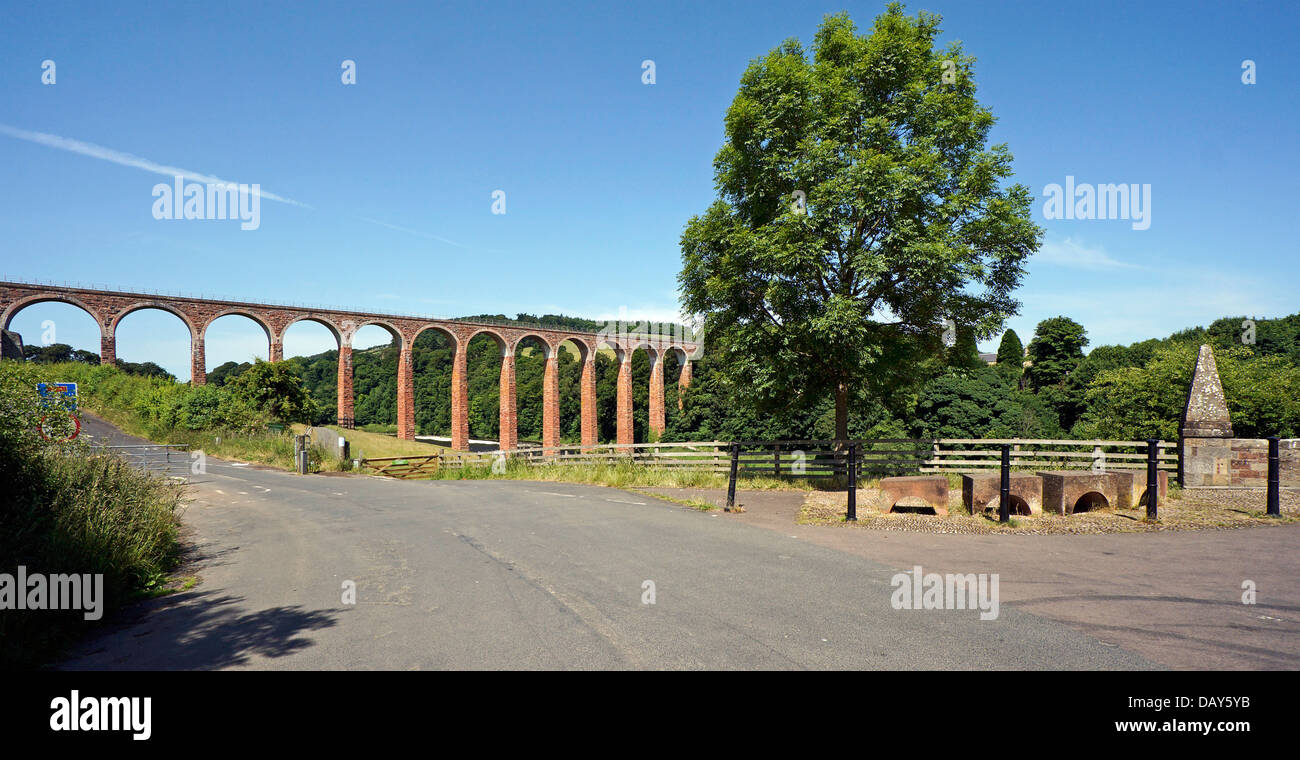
[(122, 313), (392, 329), (497, 336), (12, 309), (322, 321), (261, 321)]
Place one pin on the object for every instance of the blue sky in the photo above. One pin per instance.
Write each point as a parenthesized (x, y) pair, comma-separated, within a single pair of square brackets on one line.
[(392, 178)]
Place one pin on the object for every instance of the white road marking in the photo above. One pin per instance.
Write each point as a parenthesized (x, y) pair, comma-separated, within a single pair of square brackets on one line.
[(552, 493), (620, 501)]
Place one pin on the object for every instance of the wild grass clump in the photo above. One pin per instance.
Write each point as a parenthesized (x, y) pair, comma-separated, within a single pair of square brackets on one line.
[(619, 474), (69, 510)]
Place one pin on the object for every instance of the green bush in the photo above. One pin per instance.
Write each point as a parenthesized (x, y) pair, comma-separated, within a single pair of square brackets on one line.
[(68, 510)]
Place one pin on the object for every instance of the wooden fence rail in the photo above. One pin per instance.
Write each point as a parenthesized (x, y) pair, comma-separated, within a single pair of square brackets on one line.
[(813, 458)]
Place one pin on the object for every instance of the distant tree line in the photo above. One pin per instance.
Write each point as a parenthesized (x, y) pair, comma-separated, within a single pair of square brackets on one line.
[(57, 353), (1053, 388)]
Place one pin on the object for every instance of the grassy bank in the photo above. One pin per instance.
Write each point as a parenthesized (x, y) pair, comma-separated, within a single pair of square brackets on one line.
[(378, 445), (619, 475), (68, 510)]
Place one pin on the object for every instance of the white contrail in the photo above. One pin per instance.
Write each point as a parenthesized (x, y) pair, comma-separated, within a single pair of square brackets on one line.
[(410, 231), (125, 159)]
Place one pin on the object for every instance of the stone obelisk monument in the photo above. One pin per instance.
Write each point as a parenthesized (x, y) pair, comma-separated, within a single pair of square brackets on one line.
[(1205, 450)]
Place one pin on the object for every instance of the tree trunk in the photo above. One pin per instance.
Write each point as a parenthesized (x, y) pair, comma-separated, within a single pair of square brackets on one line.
[(841, 411)]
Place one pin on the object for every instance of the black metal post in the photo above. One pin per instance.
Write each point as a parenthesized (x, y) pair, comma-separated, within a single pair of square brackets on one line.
[(1004, 493), (731, 482), (776, 459), (853, 482), (1274, 478), (1153, 478)]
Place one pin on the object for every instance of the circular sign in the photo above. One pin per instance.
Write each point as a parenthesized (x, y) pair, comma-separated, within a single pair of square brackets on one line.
[(59, 428)]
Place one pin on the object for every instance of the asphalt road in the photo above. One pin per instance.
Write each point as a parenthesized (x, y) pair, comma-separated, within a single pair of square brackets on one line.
[(1175, 597), (507, 575)]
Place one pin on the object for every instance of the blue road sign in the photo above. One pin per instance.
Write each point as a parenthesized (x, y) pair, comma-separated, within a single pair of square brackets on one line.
[(64, 393)]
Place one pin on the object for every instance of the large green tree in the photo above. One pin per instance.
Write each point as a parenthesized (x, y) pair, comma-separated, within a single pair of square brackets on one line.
[(1011, 351), (273, 388), (860, 207), (1055, 351), (965, 353)]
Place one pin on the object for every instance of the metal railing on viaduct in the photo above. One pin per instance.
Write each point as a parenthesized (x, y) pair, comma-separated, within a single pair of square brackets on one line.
[(109, 307)]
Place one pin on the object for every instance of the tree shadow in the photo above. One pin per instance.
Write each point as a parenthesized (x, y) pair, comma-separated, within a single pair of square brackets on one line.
[(197, 631)]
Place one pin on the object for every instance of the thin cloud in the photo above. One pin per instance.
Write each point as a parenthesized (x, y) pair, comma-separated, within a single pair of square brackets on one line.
[(136, 162), (1073, 254), (125, 159), (410, 231)]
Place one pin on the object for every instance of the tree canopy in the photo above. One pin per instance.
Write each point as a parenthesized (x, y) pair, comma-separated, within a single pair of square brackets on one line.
[(1011, 350), (859, 207), (274, 388), (1057, 348)]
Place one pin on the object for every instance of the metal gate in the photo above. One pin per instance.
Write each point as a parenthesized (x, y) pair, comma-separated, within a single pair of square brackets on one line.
[(166, 460)]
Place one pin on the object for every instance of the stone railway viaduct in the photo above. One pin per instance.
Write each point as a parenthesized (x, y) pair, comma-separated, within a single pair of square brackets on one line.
[(108, 308)]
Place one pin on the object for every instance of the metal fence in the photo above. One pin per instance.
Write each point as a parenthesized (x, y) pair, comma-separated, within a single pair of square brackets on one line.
[(166, 460)]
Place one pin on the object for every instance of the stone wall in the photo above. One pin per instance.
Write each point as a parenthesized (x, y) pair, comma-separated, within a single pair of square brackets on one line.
[(1209, 455), (11, 345), (1238, 462)]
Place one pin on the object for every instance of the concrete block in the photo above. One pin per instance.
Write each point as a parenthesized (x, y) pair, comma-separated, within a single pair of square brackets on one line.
[(981, 492), (933, 489)]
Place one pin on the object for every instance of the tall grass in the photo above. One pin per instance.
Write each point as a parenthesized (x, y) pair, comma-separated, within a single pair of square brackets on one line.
[(619, 475), (69, 510)]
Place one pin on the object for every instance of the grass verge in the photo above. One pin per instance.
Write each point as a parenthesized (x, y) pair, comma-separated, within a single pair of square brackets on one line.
[(618, 475), (77, 513)]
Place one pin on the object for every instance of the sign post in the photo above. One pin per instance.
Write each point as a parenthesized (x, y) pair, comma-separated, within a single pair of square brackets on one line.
[(59, 398)]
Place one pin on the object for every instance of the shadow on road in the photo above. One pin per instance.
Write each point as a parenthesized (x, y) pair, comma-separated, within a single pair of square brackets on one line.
[(198, 631)]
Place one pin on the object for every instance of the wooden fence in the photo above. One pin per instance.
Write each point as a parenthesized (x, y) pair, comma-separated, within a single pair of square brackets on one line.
[(817, 458)]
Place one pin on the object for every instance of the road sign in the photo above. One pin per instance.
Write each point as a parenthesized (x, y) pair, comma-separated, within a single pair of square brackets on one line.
[(62, 425), (65, 394)]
